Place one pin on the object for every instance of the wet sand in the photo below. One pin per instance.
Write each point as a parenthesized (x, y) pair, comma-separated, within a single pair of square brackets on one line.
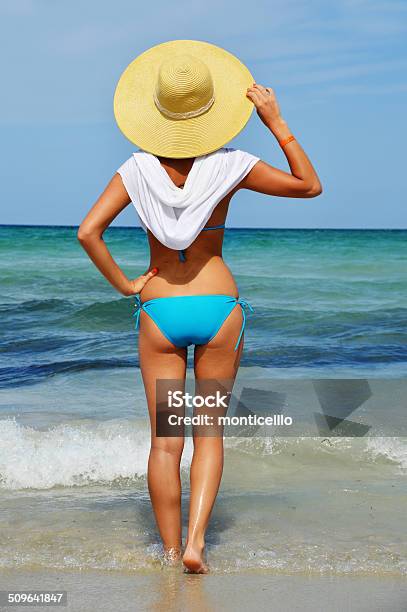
[(171, 590)]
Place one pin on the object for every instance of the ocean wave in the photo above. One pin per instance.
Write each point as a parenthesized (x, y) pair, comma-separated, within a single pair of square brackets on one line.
[(70, 454), (341, 450), (33, 373), (103, 316), (389, 449), (17, 308), (78, 454), (68, 313)]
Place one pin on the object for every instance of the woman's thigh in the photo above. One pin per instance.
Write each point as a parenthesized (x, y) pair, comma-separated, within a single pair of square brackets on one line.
[(217, 358), (216, 365), (160, 360)]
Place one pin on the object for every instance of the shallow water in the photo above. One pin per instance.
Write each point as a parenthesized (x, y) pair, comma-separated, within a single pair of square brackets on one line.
[(73, 427)]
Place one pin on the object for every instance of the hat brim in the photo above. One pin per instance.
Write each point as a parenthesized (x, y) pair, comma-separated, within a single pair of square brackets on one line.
[(144, 125)]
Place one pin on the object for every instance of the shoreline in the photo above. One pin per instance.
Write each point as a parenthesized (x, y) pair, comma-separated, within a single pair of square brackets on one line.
[(171, 589)]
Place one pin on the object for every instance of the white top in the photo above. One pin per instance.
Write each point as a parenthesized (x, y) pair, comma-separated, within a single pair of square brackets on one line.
[(176, 216)]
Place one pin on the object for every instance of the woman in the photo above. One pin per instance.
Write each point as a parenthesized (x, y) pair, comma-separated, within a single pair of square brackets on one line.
[(175, 103)]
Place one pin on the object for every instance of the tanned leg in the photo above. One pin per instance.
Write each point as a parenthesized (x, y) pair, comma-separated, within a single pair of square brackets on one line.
[(215, 360), (159, 359)]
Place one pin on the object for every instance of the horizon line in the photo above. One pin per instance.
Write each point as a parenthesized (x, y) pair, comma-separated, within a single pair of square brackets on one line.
[(137, 227)]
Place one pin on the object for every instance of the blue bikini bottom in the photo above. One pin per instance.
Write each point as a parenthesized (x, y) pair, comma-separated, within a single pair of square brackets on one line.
[(191, 319)]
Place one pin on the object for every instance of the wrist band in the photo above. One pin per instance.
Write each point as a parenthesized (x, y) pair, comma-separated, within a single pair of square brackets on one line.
[(282, 143)]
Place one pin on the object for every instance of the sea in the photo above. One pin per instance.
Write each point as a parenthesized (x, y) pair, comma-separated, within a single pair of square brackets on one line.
[(328, 305)]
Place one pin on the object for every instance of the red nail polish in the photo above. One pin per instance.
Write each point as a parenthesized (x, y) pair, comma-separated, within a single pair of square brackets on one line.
[(154, 270)]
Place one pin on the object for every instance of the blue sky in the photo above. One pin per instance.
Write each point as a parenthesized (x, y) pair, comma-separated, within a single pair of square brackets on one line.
[(338, 70)]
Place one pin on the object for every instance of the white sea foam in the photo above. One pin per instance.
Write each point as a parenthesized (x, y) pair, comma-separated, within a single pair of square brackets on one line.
[(392, 449), (71, 454), (81, 453)]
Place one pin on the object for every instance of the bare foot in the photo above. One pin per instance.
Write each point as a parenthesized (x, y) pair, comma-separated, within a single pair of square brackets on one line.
[(193, 560), (172, 555)]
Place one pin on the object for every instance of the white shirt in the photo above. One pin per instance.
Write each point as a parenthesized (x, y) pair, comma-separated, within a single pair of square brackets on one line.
[(176, 216)]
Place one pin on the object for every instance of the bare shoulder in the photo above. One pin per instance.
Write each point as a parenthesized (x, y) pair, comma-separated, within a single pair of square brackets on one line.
[(115, 193), (116, 187)]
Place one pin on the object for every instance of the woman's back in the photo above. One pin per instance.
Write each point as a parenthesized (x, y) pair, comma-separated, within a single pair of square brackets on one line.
[(201, 269), (183, 204)]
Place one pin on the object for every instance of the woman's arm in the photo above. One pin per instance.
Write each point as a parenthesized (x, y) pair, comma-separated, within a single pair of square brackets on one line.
[(112, 201), (303, 182)]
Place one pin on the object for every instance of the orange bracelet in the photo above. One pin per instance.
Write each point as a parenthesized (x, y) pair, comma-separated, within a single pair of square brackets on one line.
[(282, 143)]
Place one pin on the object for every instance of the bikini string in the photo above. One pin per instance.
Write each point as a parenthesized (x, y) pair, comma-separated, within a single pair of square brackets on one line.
[(181, 253), (244, 304), (138, 306)]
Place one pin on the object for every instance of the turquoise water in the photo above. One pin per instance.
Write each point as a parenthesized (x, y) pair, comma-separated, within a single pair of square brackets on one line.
[(73, 427), (325, 299)]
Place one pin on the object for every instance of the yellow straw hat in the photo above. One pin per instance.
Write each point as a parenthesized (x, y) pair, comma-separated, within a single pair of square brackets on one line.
[(183, 98)]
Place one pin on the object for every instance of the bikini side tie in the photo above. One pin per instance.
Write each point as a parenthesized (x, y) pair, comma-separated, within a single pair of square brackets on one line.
[(244, 304), (138, 306)]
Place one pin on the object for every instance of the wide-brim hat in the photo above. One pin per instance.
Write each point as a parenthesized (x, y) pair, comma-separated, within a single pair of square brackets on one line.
[(183, 98)]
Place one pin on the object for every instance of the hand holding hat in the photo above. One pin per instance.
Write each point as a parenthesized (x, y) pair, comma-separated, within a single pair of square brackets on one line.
[(266, 104)]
